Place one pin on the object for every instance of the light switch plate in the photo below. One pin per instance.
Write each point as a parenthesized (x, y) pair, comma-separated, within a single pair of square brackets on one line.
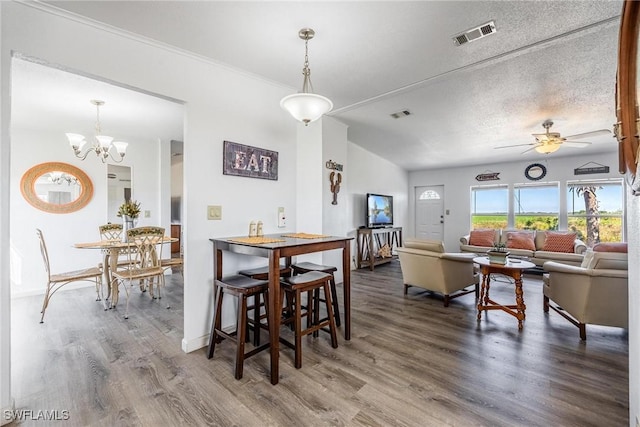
[(147, 214), (282, 222), (214, 212)]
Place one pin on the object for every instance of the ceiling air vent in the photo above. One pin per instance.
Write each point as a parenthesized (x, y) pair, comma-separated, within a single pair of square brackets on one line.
[(400, 114), (475, 33)]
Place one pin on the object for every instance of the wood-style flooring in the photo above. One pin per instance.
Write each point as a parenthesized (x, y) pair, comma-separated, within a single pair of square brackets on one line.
[(410, 362)]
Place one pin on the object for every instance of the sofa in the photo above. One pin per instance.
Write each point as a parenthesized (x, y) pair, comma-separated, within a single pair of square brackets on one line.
[(537, 245), (425, 264), (595, 292)]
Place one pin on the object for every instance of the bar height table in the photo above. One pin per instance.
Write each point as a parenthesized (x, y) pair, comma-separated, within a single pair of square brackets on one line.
[(285, 247)]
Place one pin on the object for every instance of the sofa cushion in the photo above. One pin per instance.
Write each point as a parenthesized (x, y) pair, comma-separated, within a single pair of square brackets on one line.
[(425, 245), (608, 261), (520, 240), (559, 242), (611, 247), (482, 237)]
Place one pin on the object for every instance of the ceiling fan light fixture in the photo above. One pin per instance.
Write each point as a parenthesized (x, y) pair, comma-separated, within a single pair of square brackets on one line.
[(306, 106), (547, 148)]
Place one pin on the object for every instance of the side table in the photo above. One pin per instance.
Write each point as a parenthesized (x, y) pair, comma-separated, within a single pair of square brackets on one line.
[(513, 268)]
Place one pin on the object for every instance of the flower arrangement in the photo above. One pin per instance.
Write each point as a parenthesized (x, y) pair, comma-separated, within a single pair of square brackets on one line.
[(129, 208)]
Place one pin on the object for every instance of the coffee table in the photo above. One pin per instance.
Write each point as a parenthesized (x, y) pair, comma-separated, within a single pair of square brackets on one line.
[(513, 268)]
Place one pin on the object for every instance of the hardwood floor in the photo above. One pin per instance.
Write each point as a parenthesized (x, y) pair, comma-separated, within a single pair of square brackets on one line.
[(410, 362)]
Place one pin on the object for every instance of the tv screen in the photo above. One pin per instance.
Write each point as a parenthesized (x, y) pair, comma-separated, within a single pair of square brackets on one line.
[(379, 211)]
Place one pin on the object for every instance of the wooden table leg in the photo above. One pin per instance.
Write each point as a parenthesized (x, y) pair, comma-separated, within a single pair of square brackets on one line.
[(520, 307), (275, 311), (346, 289)]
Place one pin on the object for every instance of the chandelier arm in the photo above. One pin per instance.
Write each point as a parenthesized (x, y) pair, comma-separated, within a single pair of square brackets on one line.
[(78, 152), (109, 154)]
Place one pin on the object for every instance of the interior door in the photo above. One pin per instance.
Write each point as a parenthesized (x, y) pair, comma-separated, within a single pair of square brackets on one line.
[(430, 212)]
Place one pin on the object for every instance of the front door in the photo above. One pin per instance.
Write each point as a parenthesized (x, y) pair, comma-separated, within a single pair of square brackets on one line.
[(430, 212)]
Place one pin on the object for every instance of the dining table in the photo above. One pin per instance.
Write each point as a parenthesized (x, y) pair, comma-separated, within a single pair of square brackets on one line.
[(275, 247), (111, 250)]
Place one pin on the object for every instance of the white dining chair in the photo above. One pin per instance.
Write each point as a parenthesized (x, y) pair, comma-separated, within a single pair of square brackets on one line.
[(57, 281)]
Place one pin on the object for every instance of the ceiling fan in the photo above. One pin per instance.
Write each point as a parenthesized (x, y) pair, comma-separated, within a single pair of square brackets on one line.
[(549, 142)]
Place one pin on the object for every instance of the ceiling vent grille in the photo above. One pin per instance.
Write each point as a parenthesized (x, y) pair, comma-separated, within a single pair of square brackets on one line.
[(475, 33), (399, 114)]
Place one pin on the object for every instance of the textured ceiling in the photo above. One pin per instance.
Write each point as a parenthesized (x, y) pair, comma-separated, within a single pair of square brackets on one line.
[(548, 59)]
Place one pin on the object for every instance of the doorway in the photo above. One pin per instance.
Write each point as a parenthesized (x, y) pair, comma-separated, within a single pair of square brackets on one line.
[(429, 219)]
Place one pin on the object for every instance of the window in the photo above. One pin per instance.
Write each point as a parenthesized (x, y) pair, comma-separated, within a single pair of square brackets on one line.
[(536, 206), (595, 210), (429, 195), (489, 206)]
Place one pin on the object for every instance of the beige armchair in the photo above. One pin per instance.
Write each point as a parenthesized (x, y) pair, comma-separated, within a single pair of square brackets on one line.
[(596, 293), (425, 264)]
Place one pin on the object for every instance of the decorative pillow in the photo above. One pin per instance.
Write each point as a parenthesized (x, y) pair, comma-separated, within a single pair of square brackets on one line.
[(559, 242), (611, 247), (482, 237), (520, 240)]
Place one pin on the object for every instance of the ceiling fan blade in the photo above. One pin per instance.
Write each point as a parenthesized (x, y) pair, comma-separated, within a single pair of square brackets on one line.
[(516, 145), (529, 149), (587, 134), (576, 144)]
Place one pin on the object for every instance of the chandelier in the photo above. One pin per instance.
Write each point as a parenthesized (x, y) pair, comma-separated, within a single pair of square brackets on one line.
[(57, 177), (102, 145), (306, 106)]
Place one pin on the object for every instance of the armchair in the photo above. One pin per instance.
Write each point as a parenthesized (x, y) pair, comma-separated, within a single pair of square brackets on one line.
[(425, 264), (595, 293)]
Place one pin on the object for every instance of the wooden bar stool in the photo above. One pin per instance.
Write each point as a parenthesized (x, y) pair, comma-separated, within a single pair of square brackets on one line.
[(294, 286), (242, 287), (260, 273), (305, 267)]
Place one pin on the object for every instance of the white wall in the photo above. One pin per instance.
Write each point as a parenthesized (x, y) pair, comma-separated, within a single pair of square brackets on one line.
[(61, 231), (458, 181), (633, 236), (369, 173)]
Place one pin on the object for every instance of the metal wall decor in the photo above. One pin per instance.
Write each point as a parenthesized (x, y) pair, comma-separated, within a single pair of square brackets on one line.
[(488, 176), (587, 170), (252, 162)]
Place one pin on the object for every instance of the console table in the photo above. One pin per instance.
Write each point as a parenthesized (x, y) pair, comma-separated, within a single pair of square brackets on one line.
[(370, 240)]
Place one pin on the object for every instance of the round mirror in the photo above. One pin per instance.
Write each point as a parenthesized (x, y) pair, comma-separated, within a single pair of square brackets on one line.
[(56, 187)]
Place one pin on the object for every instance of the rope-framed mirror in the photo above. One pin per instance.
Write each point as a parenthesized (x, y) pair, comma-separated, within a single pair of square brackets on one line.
[(56, 187), (626, 95)]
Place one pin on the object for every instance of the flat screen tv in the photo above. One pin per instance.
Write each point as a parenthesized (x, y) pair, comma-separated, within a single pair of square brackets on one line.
[(379, 211)]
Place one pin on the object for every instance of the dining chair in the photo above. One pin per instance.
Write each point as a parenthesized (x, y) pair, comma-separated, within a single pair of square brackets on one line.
[(57, 281), (143, 262), (110, 231)]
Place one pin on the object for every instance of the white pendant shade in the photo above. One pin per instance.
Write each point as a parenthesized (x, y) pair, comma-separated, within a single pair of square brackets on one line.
[(306, 107)]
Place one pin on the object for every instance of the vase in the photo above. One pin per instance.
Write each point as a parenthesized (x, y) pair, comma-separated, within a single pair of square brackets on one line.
[(127, 224), (497, 257)]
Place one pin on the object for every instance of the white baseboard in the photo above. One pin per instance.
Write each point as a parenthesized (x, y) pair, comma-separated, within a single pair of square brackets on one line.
[(194, 344)]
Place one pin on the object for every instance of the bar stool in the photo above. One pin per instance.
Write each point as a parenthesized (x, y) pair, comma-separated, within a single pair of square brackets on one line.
[(305, 267), (260, 273), (294, 286), (242, 287)]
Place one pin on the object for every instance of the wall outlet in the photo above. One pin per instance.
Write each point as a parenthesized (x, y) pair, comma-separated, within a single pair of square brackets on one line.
[(282, 221), (214, 212)]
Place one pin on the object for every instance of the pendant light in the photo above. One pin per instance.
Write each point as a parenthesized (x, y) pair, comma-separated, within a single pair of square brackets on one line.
[(306, 106)]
